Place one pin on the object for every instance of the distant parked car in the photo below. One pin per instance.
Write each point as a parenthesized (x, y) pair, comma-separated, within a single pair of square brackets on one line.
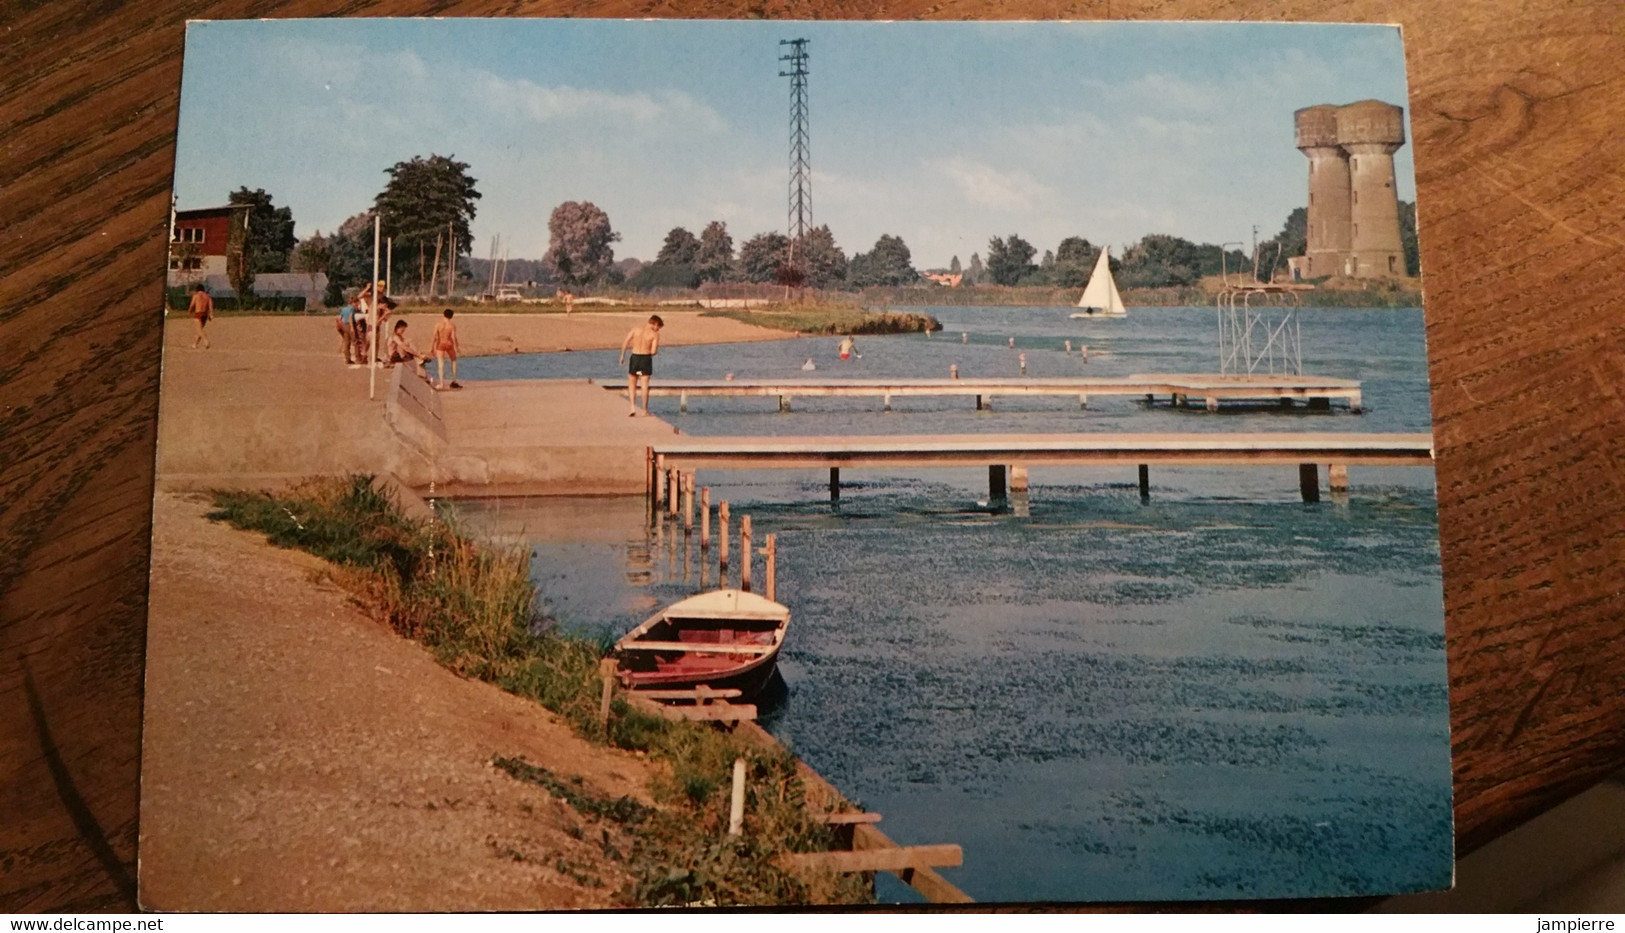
[(509, 294)]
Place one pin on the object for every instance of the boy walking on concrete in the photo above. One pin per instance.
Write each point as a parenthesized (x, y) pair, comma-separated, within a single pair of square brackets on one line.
[(644, 343)]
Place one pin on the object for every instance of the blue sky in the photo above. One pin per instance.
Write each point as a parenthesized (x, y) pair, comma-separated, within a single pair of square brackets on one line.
[(945, 134)]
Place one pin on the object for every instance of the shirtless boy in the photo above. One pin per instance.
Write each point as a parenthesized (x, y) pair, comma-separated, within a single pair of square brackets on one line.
[(444, 345), (644, 342), (202, 309)]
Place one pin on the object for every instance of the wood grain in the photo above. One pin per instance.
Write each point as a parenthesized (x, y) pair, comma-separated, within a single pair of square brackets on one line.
[(1515, 111)]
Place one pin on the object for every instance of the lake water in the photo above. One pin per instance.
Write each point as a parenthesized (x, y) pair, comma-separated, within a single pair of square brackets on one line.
[(1220, 692)]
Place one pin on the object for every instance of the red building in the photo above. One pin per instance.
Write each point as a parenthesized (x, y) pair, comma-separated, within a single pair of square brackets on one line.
[(198, 241)]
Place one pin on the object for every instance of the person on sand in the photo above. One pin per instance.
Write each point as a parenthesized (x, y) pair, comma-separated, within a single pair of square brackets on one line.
[(359, 322), (569, 303), (401, 350), (202, 308), (346, 325), (444, 344), (847, 348), (645, 343)]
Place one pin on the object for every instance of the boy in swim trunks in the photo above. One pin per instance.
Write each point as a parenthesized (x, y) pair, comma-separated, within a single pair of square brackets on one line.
[(644, 342), (202, 309), (444, 345)]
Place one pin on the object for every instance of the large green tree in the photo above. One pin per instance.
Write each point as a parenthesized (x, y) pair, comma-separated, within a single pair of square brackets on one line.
[(714, 257), (761, 256), (889, 263), (270, 230), (579, 250), (822, 260), (425, 200), (679, 249), (1074, 261), (1009, 259)]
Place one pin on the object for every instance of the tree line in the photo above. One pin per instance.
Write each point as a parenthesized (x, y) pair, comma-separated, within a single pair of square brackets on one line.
[(428, 206)]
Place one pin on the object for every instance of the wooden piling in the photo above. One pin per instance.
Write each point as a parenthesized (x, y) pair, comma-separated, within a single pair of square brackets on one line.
[(1337, 477), (1069, 348), (705, 519), (1309, 481), (673, 495), (744, 553), (770, 585), (722, 542), (834, 484), (995, 482), (688, 503), (1018, 478), (606, 671), (658, 481), (1145, 481), (736, 804)]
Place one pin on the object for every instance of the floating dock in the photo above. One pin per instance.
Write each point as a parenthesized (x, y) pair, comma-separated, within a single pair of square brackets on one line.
[(1180, 389), (1020, 451)]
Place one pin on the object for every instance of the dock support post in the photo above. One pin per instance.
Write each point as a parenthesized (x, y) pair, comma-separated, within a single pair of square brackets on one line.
[(657, 482), (705, 518), (995, 482), (744, 553), (1309, 481), (834, 484), (1320, 403), (1354, 402), (688, 503), (682, 403), (978, 403), (673, 491), (770, 582), (1212, 403), (888, 401), (722, 542), (1083, 402), (1018, 478), (1145, 481), (648, 474), (784, 403), (1069, 348), (1337, 477)]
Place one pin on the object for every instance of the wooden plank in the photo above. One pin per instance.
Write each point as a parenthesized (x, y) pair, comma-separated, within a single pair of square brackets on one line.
[(695, 647), (927, 881), (712, 712), (846, 819), (699, 693), (897, 859)]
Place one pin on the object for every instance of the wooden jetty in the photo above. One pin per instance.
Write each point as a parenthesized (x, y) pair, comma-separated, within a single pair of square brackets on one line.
[(1179, 389), (1021, 451)]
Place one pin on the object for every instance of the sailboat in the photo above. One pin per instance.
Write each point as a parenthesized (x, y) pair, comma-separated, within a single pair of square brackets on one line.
[(1100, 297)]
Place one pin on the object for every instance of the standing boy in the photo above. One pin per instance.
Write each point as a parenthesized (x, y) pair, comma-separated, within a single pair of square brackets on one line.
[(202, 309), (645, 343), (445, 346)]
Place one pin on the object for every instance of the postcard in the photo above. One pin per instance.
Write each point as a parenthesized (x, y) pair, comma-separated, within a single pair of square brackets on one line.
[(699, 463)]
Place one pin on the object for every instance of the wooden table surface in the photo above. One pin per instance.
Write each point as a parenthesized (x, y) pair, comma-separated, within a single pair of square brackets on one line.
[(1516, 110)]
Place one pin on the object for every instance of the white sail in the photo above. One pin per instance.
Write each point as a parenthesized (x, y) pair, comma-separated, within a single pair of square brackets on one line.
[(1100, 295)]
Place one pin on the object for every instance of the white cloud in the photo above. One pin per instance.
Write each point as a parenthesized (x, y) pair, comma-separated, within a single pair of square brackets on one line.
[(990, 187)]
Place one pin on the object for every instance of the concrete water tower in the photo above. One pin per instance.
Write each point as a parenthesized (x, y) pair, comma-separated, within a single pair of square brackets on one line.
[(1353, 205), (1329, 230), (1370, 131)]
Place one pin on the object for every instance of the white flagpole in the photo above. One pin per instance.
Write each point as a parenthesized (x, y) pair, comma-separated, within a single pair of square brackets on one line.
[(372, 313)]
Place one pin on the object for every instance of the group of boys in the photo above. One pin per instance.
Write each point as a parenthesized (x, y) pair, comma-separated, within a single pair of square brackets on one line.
[(353, 321)]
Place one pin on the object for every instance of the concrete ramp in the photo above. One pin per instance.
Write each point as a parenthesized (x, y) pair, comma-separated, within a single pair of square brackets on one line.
[(537, 437)]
